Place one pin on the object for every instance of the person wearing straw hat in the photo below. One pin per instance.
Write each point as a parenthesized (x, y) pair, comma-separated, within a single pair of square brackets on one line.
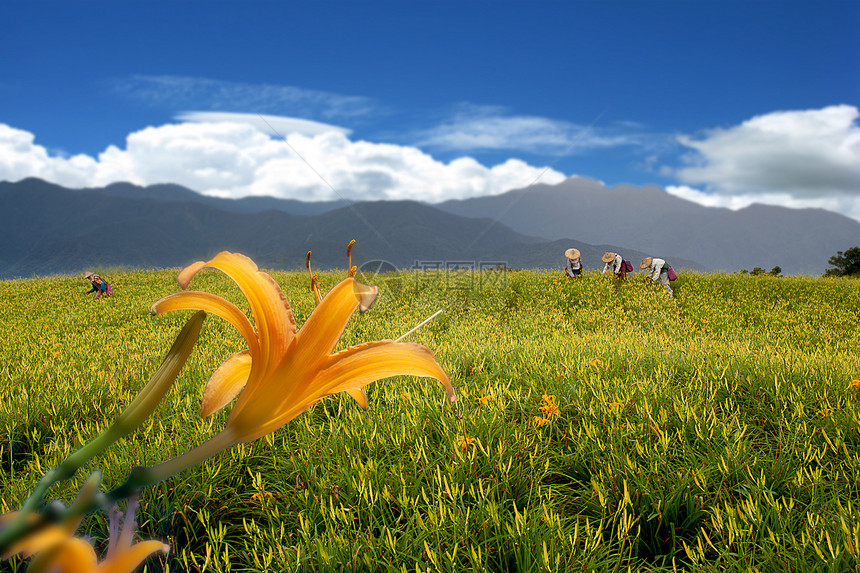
[(574, 266), (614, 262), (658, 269), (99, 284)]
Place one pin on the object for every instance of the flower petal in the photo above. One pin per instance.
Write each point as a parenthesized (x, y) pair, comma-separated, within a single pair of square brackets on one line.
[(359, 395), (360, 365), (127, 560), (276, 325), (73, 556), (186, 274), (323, 328), (348, 370), (226, 382), (196, 300), (287, 389), (42, 539)]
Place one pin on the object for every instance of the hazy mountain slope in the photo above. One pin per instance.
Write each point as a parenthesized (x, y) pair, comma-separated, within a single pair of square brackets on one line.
[(46, 229), (44, 224), (49, 229), (170, 193), (650, 220)]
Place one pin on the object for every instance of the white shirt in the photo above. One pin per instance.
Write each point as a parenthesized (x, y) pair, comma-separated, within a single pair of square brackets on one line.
[(614, 265), (653, 271)]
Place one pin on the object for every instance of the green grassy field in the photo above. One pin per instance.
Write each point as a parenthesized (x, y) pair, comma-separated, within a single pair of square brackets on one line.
[(598, 427)]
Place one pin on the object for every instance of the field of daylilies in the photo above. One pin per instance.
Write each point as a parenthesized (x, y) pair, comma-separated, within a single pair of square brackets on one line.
[(598, 426)]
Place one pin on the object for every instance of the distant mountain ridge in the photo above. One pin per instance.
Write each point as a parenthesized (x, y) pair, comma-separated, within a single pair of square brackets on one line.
[(48, 229), (643, 219), (800, 241), (170, 193), (45, 228)]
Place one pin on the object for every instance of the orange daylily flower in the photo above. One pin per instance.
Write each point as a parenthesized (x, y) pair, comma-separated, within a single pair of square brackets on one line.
[(548, 406), (465, 442), (75, 555), (45, 538), (56, 549), (284, 370), (52, 534), (550, 410)]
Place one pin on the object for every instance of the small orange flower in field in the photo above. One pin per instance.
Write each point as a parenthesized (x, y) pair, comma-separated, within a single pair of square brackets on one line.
[(594, 362), (615, 405), (539, 420), (484, 400), (548, 406), (464, 442), (550, 410), (262, 497), (855, 383)]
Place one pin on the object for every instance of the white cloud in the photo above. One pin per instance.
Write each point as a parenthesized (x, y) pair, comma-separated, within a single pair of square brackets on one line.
[(489, 128), (185, 92), (844, 204), (274, 124), (797, 159), (20, 157), (236, 159), (799, 154)]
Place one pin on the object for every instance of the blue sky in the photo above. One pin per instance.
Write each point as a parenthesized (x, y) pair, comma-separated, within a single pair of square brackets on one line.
[(724, 103)]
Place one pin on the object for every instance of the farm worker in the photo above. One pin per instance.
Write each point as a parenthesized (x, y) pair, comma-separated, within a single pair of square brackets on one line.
[(657, 269), (99, 285), (615, 262), (574, 266)]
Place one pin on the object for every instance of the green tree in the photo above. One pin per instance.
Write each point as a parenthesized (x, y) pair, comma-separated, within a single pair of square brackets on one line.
[(775, 271), (846, 263)]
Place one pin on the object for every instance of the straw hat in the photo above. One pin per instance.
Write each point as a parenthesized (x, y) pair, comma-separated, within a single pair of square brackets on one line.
[(572, 253), (646, 262), (88, 274), (608, 257)]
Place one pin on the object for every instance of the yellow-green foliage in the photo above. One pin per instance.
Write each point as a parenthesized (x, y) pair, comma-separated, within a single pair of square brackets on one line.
[(599, 426)]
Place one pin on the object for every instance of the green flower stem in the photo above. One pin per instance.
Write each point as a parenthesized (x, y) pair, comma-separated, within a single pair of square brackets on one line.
[(133, 415), (145, 476)]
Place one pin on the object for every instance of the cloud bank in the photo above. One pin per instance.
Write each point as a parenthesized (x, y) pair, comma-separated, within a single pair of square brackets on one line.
[(275, 125), (808, 158), (236, 155), (188, 92), (474, 128)]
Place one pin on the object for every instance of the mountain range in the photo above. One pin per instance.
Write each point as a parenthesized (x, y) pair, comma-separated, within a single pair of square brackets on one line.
[(49, 229), (800, 241)]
